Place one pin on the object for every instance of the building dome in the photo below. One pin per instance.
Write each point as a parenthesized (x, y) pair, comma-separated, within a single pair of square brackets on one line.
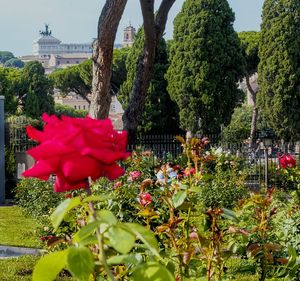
[(47, 39)]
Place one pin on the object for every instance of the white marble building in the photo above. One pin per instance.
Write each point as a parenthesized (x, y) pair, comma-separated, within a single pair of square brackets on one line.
[(53, 54), (46, 44)]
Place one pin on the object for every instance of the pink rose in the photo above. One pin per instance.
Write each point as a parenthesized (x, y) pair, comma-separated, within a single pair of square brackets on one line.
[(145, 199), (135, 175), (189, 171)]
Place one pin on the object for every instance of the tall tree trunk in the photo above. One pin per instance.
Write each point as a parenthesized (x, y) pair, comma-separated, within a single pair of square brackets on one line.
[(254, 113), (102, 57), (154, 27)]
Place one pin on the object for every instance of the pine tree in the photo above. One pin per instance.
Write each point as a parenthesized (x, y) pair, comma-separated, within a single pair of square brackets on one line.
[(279, 68), (206, 63)]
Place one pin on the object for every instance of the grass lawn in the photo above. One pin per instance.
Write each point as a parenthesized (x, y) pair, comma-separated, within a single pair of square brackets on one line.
[(17, 269), (20, 269), (17, 229)]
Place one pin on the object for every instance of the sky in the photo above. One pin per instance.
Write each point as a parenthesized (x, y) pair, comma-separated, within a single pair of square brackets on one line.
[(75, 21)]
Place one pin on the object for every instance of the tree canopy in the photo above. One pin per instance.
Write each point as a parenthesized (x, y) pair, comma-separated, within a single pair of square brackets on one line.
[(206, 63), (279, 67), (74, 79), (5, 56), (250, 44), (238, 130), (119, 72), (69, 111), (36, 90), (14, 62), (78, 78), (7, 90)]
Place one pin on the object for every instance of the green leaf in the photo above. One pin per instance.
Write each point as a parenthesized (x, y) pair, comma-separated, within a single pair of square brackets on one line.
[(95, 198), (171, 267), (125, 259), (145, 235), (195, 188), (178, 198), (48, 267), (292, 256), (85, 231), (80, 262), (107, 216), (228, 214), (89, 240), (120, 239), (60, 212), (152, 271)]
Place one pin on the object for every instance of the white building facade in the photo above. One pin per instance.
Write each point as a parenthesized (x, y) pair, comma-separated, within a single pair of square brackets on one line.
[(46, 44)]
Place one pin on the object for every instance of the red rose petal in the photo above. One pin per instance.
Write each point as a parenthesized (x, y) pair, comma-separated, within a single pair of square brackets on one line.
[(35, 134), (61, 185), (75, 167), (41, 170), (105, 156), (113, 171), (49, 149)]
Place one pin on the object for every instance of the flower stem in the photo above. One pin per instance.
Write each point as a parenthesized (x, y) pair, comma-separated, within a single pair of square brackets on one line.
[(101, 256)]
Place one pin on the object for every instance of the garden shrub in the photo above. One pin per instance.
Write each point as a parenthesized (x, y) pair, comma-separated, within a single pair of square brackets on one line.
[(10, 172), (124, 192), (223, 185), (292, 236), (221, 193), (37, 197)]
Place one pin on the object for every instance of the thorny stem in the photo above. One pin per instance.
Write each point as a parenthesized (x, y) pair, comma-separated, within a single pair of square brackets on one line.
[(101, 256), (210, 257), (263, 225)]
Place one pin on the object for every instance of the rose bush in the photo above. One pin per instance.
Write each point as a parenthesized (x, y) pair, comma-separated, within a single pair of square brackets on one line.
[(175, 230), (75, 149)]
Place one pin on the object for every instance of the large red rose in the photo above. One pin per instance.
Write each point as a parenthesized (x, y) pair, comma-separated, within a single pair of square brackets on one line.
[(75, 149)]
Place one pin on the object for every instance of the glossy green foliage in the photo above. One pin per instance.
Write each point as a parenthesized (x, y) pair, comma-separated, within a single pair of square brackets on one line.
[(279, 68), (36, 90), (206, 63)]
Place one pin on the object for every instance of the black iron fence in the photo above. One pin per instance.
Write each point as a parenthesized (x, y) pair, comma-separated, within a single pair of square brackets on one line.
[(15, 134), (262, 161)]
